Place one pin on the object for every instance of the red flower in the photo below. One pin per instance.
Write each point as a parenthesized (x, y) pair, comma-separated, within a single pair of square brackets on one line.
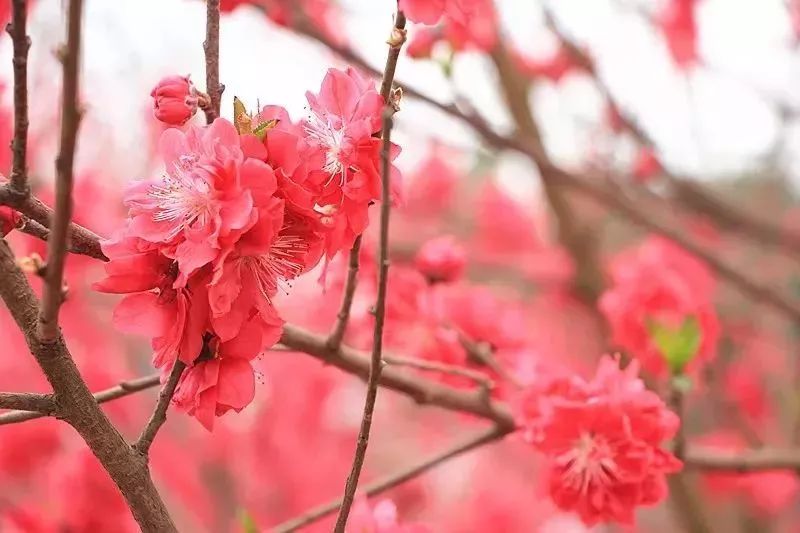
[(199, 203), (222, 379), (659, 283), (174, 100), (679, 26), (603, 440), (465, 22), (441, 260)]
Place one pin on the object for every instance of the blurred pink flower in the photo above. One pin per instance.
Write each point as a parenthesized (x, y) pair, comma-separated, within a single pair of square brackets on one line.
[(441, 260)]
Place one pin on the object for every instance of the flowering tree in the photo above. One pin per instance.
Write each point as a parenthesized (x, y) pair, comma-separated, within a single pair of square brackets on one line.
[(260, 263)]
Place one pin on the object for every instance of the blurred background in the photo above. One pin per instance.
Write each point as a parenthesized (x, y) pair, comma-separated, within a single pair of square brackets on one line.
[(620, 92)]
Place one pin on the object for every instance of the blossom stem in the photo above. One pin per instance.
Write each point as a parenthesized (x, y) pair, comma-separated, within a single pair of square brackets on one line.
[(59, 232), (159, 416), (17, 29), (395, 44), (470, 443), (121, 390), (211, 49)]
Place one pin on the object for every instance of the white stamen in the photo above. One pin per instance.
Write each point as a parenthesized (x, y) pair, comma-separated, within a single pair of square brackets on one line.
[(322, 132), (273, 271), (183, 198)]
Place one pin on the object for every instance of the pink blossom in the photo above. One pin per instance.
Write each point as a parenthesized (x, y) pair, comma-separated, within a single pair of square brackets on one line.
[(603, 439), (679, 25), (441, 260), (222, 379), (339, 135), (659, 283), (423, 11), (174, 100), (175, 319), (199, 202)]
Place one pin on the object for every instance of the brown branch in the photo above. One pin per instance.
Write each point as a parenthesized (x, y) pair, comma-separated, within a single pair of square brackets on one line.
[(75, 404), (481, 353), (692, 195), (432, 366), (28, 402), (17, 30), (576, 238), (211, 49), (423, 391), (59, 232), (393, 480), (703, 458), (118, 391), (343, 316), (81, 240), (591, 186), (395, 42), (159, 416)]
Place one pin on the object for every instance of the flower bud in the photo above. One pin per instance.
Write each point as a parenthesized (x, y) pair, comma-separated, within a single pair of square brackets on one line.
[(174, 100), (441, 260)]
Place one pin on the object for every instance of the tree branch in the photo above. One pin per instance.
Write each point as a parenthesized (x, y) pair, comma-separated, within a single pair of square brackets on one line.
[(343, 316), (393, 480), (118, 391), (59, 233), (159, 416), (692, 195), (28, 402), (211, 49), (81, 240), (75, 404), (396, 41), (432, 366), (18, 184)]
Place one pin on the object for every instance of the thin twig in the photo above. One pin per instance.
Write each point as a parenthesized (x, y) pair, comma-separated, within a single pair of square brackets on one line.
[(432, 366), (159, 416), (125, 388), (343, 316), (28, 402), (393, 480), (59, 232), (481, 352), (22, 43), (211, 49), (396, 40)]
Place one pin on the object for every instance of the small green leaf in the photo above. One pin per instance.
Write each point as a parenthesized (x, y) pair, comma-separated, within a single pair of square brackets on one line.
[(682, 383), (677, 346), (241, 118), (247, 522), (261, 130)]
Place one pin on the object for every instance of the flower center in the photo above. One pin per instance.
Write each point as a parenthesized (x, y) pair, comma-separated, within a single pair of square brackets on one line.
[(322, 133), (284, 262), (182, 198), (588, 463)]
